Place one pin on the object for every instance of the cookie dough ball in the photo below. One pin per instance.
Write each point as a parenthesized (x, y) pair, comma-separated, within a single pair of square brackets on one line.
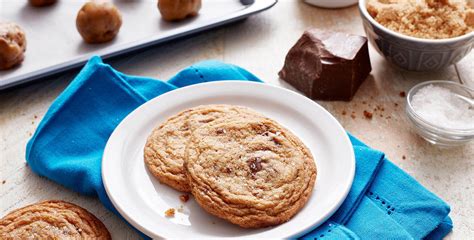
[(98, 21), (41, 3), (12, 45), (174, 10)]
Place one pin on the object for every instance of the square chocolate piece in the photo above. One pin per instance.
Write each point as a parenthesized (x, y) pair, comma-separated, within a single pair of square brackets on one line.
[(327, 65)]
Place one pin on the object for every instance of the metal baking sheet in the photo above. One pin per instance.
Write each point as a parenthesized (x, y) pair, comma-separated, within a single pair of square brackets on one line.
[(54, 45)]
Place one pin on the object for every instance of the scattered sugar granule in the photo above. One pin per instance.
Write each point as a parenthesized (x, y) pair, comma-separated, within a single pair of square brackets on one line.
[(441, 107)]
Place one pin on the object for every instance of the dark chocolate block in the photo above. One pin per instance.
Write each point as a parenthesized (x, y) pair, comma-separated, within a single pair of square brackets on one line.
[(327, 65)]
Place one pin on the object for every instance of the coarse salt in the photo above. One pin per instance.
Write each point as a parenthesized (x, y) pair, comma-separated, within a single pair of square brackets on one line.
[(441, 107)]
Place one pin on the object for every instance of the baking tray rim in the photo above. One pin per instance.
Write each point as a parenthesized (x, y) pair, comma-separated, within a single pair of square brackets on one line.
[(256, 7)]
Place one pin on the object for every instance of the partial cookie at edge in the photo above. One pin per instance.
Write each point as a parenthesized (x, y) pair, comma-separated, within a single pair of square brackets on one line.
[(52, 220)]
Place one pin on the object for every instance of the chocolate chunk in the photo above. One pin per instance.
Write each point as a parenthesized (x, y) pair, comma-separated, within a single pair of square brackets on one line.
[(255, 164), (327, 65)]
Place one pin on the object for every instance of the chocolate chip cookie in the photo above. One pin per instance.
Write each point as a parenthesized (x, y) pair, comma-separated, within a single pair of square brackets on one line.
[(52, 220), (175, 10), (250, 171), (165, 148), (42, 3)]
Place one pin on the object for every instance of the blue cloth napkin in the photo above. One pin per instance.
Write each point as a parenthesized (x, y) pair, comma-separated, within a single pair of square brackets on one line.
[(383, 203)]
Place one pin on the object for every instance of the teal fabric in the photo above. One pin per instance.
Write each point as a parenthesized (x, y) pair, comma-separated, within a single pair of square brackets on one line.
[(383, 203), (332, 231)]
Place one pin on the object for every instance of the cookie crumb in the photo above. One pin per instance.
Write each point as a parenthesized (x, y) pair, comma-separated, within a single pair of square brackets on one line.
[(35, 116), (367, 114), (403, 157), (344, 112), (4, 181), (396, 104), (170, 212), (403, 94), (184, 197)]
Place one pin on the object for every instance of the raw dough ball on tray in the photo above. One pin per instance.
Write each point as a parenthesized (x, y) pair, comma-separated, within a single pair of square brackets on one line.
[(41, 3), (175, 10), (98, 21), (12, 45)]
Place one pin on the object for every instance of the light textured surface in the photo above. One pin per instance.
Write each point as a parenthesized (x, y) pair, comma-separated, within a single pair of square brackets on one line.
[(260, 45)]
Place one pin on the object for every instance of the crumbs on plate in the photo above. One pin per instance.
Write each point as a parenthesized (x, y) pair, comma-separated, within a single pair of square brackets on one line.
[(170, 212), (184, 198), (430, 19)]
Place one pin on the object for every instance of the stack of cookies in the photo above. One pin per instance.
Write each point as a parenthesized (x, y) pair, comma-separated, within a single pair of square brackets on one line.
[(240, 165)]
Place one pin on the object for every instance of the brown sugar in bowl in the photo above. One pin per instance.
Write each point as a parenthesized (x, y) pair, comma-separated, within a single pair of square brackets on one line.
[(412, 53)]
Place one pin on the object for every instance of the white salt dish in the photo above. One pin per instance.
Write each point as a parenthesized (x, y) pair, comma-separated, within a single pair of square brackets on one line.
[(451, 127), (332, 3)]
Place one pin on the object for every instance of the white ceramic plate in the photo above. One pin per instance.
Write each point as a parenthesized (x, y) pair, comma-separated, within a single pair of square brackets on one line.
[(142, 200)]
